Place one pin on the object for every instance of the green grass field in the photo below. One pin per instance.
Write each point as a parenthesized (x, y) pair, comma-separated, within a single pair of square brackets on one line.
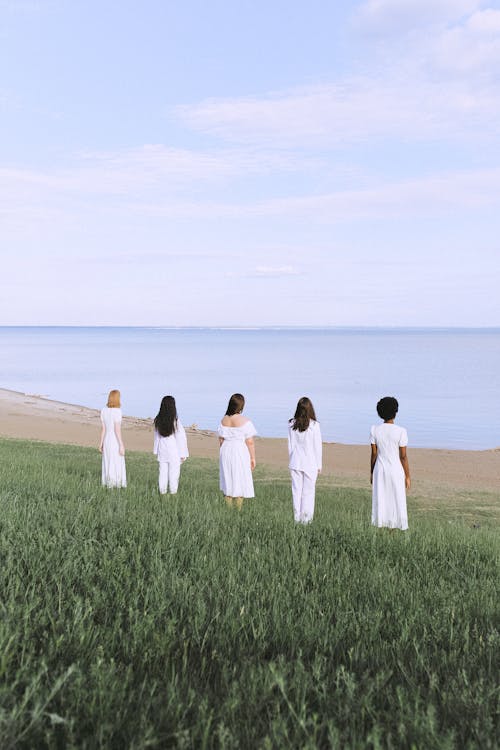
[(131, 621)]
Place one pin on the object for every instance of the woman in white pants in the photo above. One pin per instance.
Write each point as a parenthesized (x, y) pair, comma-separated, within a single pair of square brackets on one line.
[(305, 452), (170, 446)]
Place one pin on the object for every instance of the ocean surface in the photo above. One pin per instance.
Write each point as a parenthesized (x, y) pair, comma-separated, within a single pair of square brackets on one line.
[(446, 380)]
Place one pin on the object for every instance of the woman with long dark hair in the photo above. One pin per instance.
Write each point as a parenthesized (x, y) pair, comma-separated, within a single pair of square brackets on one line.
[(305, 452), (170, 445), (237, 453)]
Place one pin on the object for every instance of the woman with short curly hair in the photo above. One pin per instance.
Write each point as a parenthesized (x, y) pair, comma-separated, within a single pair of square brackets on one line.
[(390, 470)]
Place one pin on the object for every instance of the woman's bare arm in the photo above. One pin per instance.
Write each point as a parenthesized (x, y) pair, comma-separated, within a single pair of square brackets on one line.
[(101, 441), (118, 433), (373, 460), (251, 449), (406, 467)]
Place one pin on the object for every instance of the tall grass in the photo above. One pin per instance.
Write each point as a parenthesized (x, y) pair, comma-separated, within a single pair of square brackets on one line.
[(130, 620)]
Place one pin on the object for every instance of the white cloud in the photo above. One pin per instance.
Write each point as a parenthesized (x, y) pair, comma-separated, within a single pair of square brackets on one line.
[(150, 167), (473, 45), (266, 272), (403, 105), (31, 199), (388, 16), (436, 78), (26, 6), (276, 271), (435, 196)]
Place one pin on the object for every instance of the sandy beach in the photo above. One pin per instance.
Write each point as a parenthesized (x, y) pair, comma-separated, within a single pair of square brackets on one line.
[(32, 417)]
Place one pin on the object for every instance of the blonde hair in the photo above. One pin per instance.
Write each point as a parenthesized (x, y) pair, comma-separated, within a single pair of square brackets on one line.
[(114, 399)]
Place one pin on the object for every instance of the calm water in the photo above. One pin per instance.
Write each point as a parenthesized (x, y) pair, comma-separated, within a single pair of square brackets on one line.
[(446, 380)]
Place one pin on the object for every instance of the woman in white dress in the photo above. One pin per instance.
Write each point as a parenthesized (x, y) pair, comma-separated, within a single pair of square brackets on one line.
[(237, 453), (305, 453), (111, 444), (390, 470), (170, 445)]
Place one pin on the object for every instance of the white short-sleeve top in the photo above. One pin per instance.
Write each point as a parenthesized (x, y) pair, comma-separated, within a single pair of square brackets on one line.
[(388, 438), (110, 416)]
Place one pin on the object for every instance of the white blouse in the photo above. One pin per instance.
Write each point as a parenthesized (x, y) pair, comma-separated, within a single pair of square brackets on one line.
[(237, 434), (172, 448), (305, 449)]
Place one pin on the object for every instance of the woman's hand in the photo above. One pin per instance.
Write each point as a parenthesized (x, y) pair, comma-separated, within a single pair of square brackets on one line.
[(251, 449), (100, 448), (122, 450), (408, 483)]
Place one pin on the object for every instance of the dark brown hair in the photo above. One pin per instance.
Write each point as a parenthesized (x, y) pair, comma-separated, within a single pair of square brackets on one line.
[(166, 419), (303, 414), (235, 405)]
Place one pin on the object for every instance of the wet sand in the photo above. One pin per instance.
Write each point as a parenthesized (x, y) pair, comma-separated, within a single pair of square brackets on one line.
[(32, 417)]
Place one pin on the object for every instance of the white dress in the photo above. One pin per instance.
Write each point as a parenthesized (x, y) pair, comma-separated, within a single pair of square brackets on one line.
[(235, 470), (388, 490), (113, 465)]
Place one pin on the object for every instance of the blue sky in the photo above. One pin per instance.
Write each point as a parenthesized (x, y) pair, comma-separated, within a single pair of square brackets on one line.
[(250, 163)]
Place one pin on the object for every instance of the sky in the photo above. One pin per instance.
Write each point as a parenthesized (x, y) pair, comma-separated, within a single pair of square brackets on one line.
[(247, 162)]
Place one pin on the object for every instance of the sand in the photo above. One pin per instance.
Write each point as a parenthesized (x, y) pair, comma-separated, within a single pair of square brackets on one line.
[(32, 417)]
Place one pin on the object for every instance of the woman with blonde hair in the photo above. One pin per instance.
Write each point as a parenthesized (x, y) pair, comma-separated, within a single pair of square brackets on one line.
[(111, 444), (237, 453)]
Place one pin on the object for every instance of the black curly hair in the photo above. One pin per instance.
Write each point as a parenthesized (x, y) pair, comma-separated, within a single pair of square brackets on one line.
[(387, 408)]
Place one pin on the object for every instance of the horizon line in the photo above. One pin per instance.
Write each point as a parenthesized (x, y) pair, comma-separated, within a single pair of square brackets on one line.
[(317, 327)]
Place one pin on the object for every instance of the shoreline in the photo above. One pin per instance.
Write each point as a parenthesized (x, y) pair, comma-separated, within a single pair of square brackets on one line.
[(34, 417)]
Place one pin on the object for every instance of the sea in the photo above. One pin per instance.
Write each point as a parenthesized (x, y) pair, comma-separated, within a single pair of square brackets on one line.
[(446, 380)]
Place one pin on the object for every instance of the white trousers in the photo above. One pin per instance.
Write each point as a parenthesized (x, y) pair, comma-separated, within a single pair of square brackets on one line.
[(303, 491), (169, 477)]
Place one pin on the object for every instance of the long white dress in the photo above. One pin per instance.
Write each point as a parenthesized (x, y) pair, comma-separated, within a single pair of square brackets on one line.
[(235, 470), (388, 489), (113, 465)]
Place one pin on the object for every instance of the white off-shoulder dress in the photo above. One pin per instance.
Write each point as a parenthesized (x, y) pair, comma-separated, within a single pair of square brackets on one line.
[(235, 470), (388, 490), (113, 465)]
